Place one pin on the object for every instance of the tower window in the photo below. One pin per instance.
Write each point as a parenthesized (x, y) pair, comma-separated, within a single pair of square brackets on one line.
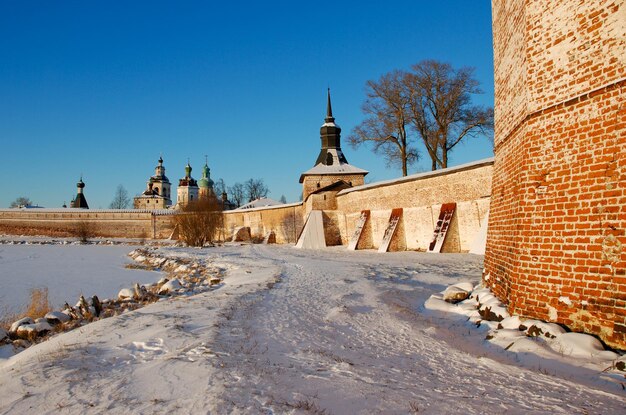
[(329, 159)]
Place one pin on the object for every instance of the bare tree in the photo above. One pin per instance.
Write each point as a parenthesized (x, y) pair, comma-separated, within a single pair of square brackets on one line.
[(219, 187), (387, 120), (83, 230), (255, 189), (200, 221), (237, 194), (441, 110), (121, 199), (20, 201)]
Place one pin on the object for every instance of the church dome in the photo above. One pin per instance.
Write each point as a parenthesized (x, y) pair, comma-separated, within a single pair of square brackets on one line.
[(206, 181)]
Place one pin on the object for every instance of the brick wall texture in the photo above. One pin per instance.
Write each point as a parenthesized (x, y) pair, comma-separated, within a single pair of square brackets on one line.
[(556, 246)]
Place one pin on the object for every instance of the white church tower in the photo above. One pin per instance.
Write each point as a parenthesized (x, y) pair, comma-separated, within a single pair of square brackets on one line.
[(187, 188)]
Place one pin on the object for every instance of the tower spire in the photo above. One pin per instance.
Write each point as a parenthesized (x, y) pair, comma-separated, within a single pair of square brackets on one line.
[(329, 110), (330, 135)]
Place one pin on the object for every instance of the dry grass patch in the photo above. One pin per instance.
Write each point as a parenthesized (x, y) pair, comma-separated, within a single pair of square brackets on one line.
[(37, 307)]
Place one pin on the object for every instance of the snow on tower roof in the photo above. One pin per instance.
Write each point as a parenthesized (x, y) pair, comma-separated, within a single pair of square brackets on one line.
[(342, 168)]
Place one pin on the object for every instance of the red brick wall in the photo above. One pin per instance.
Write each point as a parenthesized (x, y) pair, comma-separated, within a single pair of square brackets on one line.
[(556, 247)]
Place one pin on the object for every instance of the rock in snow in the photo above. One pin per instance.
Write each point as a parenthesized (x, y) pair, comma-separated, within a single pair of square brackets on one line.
[(454, 294), (20, 322), (170, 286), (126, 293), (30, 331), (56, 317)]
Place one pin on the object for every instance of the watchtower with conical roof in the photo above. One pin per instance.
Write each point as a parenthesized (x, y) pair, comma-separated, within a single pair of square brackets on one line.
[(331, 165)]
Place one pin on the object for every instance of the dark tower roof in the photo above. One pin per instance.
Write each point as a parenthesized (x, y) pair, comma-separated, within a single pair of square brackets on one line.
[(188, 180), (331, 160), (80, 201), (330, 134)]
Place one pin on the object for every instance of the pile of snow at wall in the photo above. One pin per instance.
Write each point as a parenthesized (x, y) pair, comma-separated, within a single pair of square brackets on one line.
[(547, 345)]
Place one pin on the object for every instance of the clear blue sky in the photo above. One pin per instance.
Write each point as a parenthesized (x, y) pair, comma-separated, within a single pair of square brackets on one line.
[(103, 88)]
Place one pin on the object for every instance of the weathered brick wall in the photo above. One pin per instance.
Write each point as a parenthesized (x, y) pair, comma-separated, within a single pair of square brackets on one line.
[(103, 223), (509, 46), (556, 238)]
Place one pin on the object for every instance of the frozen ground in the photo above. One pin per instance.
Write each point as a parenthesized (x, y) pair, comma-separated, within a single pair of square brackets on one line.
[(296, 331), (66, 270)]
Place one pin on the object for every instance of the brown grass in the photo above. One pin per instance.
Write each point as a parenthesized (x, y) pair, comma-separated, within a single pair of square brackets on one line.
[(37, 307)]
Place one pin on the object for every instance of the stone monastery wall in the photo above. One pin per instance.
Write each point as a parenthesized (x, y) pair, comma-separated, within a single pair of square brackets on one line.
[(557, 226), (285, 221), (420, 196), (103, 223)]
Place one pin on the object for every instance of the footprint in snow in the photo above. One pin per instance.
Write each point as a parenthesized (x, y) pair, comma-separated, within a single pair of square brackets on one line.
[(146, 351), (196, 353)]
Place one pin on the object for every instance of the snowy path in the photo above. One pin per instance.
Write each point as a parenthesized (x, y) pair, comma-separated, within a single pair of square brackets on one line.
[(339, 332), (345, 337)]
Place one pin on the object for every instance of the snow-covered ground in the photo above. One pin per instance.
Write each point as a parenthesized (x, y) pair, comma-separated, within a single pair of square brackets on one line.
[(66, 270), (296, 331)]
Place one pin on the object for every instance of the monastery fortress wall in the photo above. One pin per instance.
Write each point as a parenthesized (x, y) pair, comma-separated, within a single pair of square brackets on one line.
[(420, 196), (110, 223)]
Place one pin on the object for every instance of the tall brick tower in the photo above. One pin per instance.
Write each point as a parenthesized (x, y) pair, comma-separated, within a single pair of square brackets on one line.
[(556, 246)]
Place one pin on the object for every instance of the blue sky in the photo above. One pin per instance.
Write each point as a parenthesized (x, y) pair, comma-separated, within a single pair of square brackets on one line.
[(103, 88)]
